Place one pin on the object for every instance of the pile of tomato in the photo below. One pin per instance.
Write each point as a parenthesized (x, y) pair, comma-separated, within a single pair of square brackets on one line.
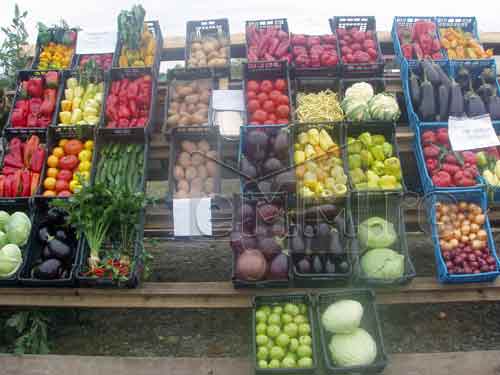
[(267, 102), (68, 167)]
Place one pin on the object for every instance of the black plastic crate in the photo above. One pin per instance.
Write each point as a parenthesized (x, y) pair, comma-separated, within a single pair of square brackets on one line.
[(135, 271), (388, 206), (279, 299), (109, 140), (35, 250), (155, 29), (363, 23), (39, 48), (181, 76), (209, 28), (132, 74), (310, 85), (370, 322), (388, 130), (252, 199), (11, 206), (267, 70), (22, 76), (211, 136), (280, 23)]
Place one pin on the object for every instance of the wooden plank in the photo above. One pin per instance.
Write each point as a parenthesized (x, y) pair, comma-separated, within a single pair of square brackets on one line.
[(215, 295), (456, 363)]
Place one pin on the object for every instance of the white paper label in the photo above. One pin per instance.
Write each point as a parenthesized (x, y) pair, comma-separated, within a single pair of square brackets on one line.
[(192, 217), (90, 42), (471, 133), (228, 100)]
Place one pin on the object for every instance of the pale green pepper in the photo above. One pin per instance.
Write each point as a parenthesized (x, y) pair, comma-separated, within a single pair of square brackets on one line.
[(366, 159), (357, 176), (373, 180), (388, 183), (392, 167), (388, 150), (354, 161), (378, 139), (378, 152), (378, 167), (366, 139), (354, 147)]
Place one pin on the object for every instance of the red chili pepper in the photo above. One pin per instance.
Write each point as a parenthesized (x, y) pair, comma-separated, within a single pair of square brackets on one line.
[(16, 182), (2, 181), (282, 49), (30, 147), (123, 112), (8, 170), (49, 102), (35, 106), (441, 179), (115, 87), (431, 151), (123, 123), (35, 179), (132, 90), (7, 186), (26, 183), (298, 40), (18, 118)]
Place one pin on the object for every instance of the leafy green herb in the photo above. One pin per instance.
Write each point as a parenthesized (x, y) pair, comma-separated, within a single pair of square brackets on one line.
[(32, 326)]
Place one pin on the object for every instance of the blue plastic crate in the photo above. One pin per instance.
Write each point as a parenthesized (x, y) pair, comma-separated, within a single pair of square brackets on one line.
[(442, 272), (425, 178), (409, 21), (467, 24)]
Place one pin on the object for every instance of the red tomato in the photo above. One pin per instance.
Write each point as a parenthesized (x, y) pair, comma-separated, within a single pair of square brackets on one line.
[(61, 185), (283, 99), (274, 96), (268, 122), (259, 116), (65, 174), (68, 162), (266, 86), (64, 194), (272, 117), (280, 85), (282, 111), (262, 97), (251, 95), (268, 106), (253, 105), (252, 86)]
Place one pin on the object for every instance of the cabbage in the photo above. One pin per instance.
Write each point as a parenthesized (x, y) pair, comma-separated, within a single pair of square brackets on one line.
[(10, 260), (4, 218), (353, 349), (3, 239), (342, 317), (376, 232), (18, 229), (383, 264)]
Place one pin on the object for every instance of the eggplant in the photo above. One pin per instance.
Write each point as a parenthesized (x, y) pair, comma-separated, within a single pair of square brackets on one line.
[(494, 106), (308, 239), (463, 78), (427, 108), (304, 265), (60, 250), (340, 226), (343, 267), (45, 254), (474, 105), (488, 75), (456, 107), (443, 77), (414, 90), (317, 265), (326, 212), (43, 234), (56, 216), (329, 266), (336, 247), (49, 270), (444, 101), (323, 235), (485, 90), (430, 72), (297, 241)]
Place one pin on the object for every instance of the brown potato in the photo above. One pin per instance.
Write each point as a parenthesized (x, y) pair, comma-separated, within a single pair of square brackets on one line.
[(182, 108), (183, 185), (183, 90), (173, 108), (209, 185), (209, 46), (195, 46), (192, 99), (190, 173), (212, 154), (188, 146), (173, 120), (204, 97), (197, 159), (184, 120), (196, 184), (211, 168), (181, 194), (198, 119), (184, 160), (178, 172), (203, 146), (191, 108), (199, 55), (202, 172), (216, 62), (213, 55)]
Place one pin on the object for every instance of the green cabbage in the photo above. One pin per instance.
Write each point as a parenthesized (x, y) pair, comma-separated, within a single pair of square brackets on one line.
[(18, 229), (342, 317), (3, 239), (376, 232), (4, 218), (353, 349), (383, 264), (10, 260)]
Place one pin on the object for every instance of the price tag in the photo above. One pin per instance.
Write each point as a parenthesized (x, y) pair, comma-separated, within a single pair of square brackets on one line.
[(90, 42), (471, 133), (192, 217)]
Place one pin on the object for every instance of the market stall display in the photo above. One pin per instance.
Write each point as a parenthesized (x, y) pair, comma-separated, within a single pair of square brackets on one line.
[(55, 47)]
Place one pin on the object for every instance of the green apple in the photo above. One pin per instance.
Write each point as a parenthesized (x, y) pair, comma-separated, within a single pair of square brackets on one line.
[(262, 353), (277, 352), (305, 362), (300, 319), (294, 344), (261, 316), (261, 340), (277, 310), (274, 319), (274, 364), (263, 364), (304, 329), (303, 351), (288, 362), (283, 340), (286, 318), (265, 309), (291, 329), (291, 309), (261, 329), (273, 330), (302, 308), (305, 340)]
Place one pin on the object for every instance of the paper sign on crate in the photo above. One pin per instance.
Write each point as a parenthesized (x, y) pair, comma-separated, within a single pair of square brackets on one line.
[(192, 217), (471, 133), (90, 42)]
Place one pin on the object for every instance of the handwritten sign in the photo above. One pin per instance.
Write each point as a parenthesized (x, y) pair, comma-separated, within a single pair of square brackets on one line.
[(90, 42), (471, 133)]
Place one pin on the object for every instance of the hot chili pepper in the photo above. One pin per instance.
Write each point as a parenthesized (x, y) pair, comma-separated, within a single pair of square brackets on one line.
[(16, 184), (7, 186), (18, 118), (49, 102), (123, 112), (132, 90), (431, 151), (441, 179), (30, 147), (2, 179), (10, 161), (35, 179), (123, 123), (26, 182), (8, 170), (32, 121)]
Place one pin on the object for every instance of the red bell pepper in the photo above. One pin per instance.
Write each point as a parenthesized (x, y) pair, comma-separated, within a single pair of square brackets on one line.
[(49, 102), (26, 181), (35, 87), (52, 79), (123, 112), (16, 184), (18, 118), (44, 121), (37, 160), (35, 179), (30, 147), (442, 179), (10, 161), (6, 170), (431, 151), (451, 159), (273, 46), (35, 106)]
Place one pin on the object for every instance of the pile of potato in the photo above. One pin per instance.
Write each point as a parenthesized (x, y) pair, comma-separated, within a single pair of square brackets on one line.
[(194, 173), (189, 103), (208, 51)]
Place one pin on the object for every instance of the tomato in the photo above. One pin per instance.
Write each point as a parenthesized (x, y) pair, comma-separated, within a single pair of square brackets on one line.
[(68, 162), (58, 151), (64, 194), (280, 85), (262, 97), (61, 185), (73, 147), (266, 86), (268, 106), (282, 111), (49, 183), (52, 161), (252, 86), (282, 121), (251, 95), (259, 116), (254, 123), (52, 172), (65, 174), (274, 96), (272, 117), (253, 105), (283, 99)]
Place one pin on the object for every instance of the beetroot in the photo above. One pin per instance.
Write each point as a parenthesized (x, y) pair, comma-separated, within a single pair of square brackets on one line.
[(312, 51), (357, 46), (268, 246), (240, 241), (251, 265), (279, 267), (268, 212)]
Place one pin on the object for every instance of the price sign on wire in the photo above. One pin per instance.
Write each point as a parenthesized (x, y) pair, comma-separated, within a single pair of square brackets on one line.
[(90, 42), (471, 133), (192, 217)]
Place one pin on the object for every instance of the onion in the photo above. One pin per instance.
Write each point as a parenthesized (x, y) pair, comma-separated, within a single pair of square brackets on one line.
[(471, 217), (454, 243), (477, 244), (445, 219), (445, 209), (465, 222), (464, 239), (475, 209), (447, 246), (480, 219), (453, 207), (453, 217), (472, 236), (474, 228), (279, 267), (482, 235), (460, 217), (251, 265)]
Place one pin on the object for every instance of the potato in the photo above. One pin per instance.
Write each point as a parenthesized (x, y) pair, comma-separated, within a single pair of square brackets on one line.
[(203, 146), (216, 62), (184, 90), (223, 42), (184, 120), (199, 55), (191, 108), (197, 159), (173, 120), (204, 97), (209, 185), (195, 46), (197, 119), (173, 108), (212, 154), (188, 146), (190, 173), (201, 106), (213, 55), (223, 53), (202, 172), (211, 168), (178, 172), (184, 160), (182, 108), (197, 184), (181, 194), (209, 46), (192, 99), (183, 185)]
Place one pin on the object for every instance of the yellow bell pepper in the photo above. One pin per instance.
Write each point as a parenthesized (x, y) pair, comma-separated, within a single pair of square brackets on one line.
[(76, 116), (66, 105), (65, 117)]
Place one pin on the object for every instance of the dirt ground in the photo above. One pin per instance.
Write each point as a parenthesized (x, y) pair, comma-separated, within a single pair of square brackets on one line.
[(226, 333)]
